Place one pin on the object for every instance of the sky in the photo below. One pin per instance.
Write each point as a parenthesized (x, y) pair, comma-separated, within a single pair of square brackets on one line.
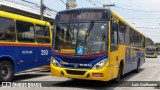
[(143, 14)]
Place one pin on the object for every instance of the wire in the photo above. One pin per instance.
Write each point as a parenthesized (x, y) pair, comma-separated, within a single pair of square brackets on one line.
[(142, 18), (147, 28), (65, 3), (51, 9), (31, 3), (38, 5), (136, 9), (97, 2), (125, 7), (153, 35), (50, 12), (91, 2), (23, 4)]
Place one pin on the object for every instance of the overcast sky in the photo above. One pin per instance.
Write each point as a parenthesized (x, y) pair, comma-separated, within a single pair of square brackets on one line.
[(144, 14)]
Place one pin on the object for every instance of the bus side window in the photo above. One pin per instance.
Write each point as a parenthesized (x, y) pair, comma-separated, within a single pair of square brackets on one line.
[(143, 42), (25, 31), (122, 31), (132, 34), (7, 30), (114, 35), (157, 49), (42, 34), (127, 36)]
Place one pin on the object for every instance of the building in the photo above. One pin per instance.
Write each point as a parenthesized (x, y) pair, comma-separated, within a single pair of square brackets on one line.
[(26, 9)]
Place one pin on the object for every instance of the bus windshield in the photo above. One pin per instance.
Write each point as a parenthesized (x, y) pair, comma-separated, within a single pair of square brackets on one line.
[(150, 50), (81, 38)]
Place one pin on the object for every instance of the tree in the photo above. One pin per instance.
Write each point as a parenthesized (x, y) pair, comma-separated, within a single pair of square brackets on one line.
[(148, 41), (158, 46)]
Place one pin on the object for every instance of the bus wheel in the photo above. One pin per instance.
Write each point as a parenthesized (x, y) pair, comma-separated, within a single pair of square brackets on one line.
[(117, 79), (138, 67), (6, 71)]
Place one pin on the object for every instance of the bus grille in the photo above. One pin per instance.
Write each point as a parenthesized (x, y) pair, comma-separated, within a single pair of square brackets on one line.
[(150, 53), (76, 60), (73, 72)]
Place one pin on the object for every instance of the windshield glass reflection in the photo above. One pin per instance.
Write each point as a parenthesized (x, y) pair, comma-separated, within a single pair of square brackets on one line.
[(81, 38)]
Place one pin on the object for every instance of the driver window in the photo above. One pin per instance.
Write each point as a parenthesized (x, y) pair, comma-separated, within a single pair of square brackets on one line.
[(114, 35)]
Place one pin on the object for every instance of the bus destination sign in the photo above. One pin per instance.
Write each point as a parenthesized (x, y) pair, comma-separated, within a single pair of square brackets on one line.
[(86, 15)]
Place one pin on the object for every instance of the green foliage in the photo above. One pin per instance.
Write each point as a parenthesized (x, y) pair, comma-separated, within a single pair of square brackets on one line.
[(158, 46), (148, 42)]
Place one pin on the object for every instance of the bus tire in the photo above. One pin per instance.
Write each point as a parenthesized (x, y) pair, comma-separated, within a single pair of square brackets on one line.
[(6, 71), (138, 67), (118, 78)]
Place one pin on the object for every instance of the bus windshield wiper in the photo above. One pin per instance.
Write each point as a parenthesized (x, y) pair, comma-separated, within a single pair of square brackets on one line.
[(89, 29), (69, 27), (70, 30)]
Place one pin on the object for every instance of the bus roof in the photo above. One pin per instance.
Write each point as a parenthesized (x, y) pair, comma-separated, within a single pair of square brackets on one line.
[(111, 12), (125, 22), (83, 9), (23, 18)]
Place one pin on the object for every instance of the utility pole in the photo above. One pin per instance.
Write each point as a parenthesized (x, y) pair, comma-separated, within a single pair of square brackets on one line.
[(67, 7), (42, 8), (67, 4)]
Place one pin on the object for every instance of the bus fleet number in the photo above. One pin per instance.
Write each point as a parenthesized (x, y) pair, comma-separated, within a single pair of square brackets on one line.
[(44, 52)]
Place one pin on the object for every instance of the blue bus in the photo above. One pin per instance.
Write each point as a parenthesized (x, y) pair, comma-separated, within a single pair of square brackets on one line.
[(24, 44), (95, 44)]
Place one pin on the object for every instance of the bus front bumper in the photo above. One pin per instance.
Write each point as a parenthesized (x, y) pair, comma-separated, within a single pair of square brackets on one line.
[(100, 75), (151, 56)]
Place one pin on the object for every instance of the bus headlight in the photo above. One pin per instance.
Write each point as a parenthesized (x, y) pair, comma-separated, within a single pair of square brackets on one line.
[(100, 64), (55, 62)]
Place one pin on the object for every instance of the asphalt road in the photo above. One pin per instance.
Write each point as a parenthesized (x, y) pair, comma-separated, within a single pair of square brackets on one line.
[(150, 71)]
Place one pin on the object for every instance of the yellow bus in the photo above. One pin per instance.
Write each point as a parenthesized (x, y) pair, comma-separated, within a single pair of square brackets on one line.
[(151, 52), (25, 43), (95, 44)]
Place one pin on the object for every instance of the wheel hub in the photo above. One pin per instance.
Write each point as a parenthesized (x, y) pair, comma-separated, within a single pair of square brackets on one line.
[(4, 71)]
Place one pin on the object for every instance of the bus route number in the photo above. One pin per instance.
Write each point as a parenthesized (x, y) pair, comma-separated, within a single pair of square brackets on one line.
[(44, 52)]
